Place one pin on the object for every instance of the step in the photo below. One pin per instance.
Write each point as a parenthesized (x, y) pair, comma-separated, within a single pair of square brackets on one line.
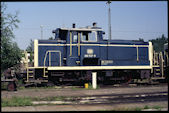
[(158, 73), (30, 71), (30, 74), (157, 69)]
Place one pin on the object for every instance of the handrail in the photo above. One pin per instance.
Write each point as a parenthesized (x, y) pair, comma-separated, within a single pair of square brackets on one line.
[(78, 44), (156, 58), (161, 63), (137, 54), (26, 65), (49, 51), (70, 44)]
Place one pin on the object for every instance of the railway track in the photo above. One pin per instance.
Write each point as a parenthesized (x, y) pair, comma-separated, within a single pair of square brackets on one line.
[(112, 99), (125, 98)]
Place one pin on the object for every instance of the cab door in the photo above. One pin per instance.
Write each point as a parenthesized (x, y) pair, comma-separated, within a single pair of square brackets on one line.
[(73, 58), (74, 44)]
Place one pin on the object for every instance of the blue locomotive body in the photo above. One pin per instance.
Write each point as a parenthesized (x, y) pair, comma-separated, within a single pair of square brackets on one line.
[(95, 52)]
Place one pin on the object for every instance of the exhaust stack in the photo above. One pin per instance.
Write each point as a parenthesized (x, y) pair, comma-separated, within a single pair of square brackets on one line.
[(94, 24), (73, 25)]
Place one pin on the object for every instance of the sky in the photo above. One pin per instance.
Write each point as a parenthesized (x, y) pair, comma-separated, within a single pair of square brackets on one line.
[(130, 20)]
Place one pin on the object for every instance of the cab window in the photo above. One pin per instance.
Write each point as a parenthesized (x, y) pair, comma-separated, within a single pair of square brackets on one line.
[(75, 37), (85, 36), (93, 37), (89, 36)]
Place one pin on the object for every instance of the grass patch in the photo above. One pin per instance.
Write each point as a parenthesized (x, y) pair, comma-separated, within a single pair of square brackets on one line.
[(157, 107), (21, 88), (16, 101), (146, 107), (137, 109), (59, 98), (27, 101), (124, 109)]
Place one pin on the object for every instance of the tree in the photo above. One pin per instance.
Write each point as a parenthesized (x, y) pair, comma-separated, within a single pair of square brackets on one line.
[(51, 38), (141, 39), (10, 52), (30, 49), (159, 42), (30, 46)]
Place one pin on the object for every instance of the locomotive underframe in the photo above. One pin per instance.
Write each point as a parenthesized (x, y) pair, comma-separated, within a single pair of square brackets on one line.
[(79, 75)]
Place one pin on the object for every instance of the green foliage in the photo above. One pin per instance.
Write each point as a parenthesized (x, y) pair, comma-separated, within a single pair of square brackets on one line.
[(159, 42), (10, 52), (146, 107), (27, 101), (4, 85), (157, 107), (53, 98), (16, 101), (141, 39), (137, 109), (30, 49), (30, 46), (51, 38)]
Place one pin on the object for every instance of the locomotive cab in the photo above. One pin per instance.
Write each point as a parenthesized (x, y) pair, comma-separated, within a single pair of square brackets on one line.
[(60, 34), (88, 34), (76, 52)]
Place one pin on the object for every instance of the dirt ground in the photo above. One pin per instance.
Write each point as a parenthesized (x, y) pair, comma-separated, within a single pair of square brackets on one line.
[(100, 107), (69, 91)]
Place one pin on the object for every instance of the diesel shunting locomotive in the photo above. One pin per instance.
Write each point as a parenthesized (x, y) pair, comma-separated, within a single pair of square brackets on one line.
[(77, 52)]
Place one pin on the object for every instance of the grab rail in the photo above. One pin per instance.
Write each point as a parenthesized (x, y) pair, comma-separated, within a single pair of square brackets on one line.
[(49, 51)]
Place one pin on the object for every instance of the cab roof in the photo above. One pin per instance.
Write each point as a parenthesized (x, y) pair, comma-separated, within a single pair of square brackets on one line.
[(83, 29)]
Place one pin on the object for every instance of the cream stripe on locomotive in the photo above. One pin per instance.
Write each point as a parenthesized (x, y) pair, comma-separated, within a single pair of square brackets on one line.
[(36, 53), (96, 67), (93, 45)]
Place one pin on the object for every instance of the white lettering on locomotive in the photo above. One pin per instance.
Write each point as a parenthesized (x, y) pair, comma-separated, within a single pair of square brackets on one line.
[(89, 53), (105, 62)]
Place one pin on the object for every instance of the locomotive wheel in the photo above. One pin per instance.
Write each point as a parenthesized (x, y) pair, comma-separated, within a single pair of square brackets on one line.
[(11, 87)]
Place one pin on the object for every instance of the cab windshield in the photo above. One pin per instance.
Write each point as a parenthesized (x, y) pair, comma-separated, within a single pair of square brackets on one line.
[(89, 36)]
